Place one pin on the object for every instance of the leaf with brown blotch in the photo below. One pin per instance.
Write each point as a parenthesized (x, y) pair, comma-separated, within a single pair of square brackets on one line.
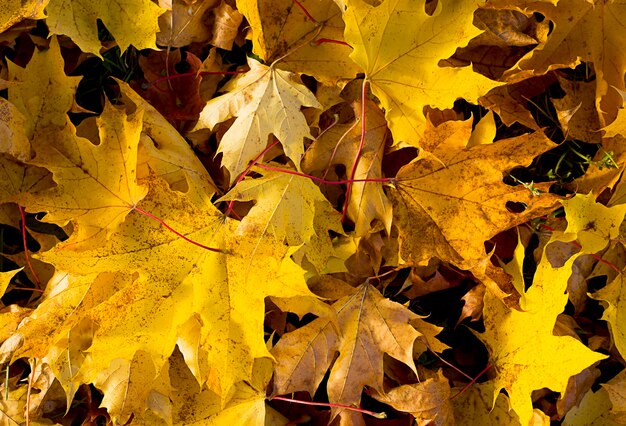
[(339, 144), (448, 204), (265, 101)]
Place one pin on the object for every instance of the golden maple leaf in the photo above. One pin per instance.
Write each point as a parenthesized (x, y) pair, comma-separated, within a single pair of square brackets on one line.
[(448, 204), (210, 304), (525, 353), (583, 31), (398, 46), (369, 326), (133, 22), (339, 145)]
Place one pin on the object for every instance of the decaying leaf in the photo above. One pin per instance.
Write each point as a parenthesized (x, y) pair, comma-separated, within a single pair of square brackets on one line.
[(460, 198)]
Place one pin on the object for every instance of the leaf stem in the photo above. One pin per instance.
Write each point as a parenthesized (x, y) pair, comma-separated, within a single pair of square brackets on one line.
[(324, 181), (246, 171), (328, 404), (467, 386), (331, 40), (359, 150), (306, 12), (169, 228)]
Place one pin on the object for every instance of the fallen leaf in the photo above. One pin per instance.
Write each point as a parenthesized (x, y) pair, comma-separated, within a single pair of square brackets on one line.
[(281, 31), (428, 401), (550, 360), (448, 204), (398, 46), (107, 172), (265, 101), (226, 26), (339, 144), (369, 326), (78, 21), (185, 23)]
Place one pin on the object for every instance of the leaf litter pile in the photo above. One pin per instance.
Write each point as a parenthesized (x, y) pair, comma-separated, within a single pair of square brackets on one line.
[(309, 212)]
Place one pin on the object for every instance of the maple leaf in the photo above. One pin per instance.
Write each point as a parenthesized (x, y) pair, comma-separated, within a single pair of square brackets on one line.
[(615, 310), (165, 153), (153, 307), (264, 100), (339, 145), (77, 20), (398, 46), (282, 29), (13, 139), (44, 102), (524, 352), (177, 98), (448, 206), (369, 326), (590, 223), (583, 31), (285, 209), (226, 26), (288, 208), (108, 188), (476, 405)]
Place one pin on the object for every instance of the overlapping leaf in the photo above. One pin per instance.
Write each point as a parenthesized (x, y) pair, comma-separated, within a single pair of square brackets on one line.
[(265, 101), (398, 46), (550, 360)]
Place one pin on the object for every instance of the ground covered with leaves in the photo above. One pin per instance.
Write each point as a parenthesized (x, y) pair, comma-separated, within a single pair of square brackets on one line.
[(291, 212)]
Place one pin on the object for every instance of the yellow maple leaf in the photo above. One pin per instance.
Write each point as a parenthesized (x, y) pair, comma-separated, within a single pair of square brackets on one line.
[(44, 102), (288, 208), (285, 209), (448, 206), (591, 224), (164, 152), (614, 298), (158, 283), (281, 27), (525, 353), (265, 101), (399, 46), (130, 22), (108, 189)]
